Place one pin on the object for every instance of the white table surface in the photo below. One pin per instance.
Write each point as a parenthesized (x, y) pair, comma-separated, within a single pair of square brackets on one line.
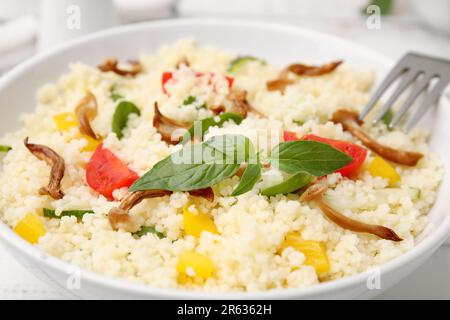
[(396, 36)]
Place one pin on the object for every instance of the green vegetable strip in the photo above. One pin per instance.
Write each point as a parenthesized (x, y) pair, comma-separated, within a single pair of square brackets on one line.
[(51, 213), (148, 229), (5, 148)]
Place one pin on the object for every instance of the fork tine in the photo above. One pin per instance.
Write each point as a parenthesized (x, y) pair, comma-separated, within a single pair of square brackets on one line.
[(407, 79), (427, 102), (392, 75), (419, 87)]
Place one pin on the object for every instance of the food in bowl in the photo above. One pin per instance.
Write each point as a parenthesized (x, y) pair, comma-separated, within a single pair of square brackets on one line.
[(198, 169)]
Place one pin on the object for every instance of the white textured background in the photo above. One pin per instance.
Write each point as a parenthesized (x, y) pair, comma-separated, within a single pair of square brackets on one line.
[(399, 33)]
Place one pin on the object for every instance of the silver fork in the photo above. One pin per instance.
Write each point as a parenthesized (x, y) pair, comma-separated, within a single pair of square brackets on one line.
[(416, 70)]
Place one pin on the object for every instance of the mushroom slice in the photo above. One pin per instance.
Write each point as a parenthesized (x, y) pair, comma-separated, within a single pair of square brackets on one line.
[(279, 84), (241, 105), (206, 193), (53, 189), (86, 111), (350, 122), (129, 69), (120, 217), (166, 126), (182, 61), (299, 69), (314, 193), (313, 71)]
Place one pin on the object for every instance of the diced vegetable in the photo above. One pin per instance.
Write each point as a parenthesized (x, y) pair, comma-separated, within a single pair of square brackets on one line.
[(387, 118), (379, 167), (50, 213), (191, 265), (237, 65), (30, 228), (92, 144), (65, 121), (289, 136), (193, 100), (123, 110), (196, 222), (314, 251), (166, 76), (114, 95), (5, 148), (148, 229), (356, 152), (106, 173)]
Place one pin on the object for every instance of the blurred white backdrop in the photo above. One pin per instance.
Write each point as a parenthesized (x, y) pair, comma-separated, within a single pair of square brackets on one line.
[(411, 25)]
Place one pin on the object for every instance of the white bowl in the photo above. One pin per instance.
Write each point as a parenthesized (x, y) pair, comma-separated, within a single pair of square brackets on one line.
[(278, 44)]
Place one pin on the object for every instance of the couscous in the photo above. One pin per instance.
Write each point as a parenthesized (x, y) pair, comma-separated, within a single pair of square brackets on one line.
[(290, 189)]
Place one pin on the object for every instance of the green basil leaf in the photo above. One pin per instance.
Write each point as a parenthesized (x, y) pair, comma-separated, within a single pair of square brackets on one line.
[(120, 118), (192, 99), (251, 176), (148, 229), (387, 118), (293, 183), (200, 127), (114, 95), (197, 166), (50, 213), (314, 157), (5, 148)]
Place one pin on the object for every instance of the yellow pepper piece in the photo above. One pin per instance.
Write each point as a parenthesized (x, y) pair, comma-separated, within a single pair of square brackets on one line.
[(192, 264), (379, 167), (197, 222), (91, 145), (314, 251), (65, 121), (30, 228)]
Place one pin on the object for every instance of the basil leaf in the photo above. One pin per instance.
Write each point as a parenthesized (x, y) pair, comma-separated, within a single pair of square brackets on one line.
[(192, 99), (293, 183), (5, 148), (387, 118), (200, 127), (114, 95), (314, 157), (197, 166), (50, 213), (120, 118), (251, 176), (148, 229)]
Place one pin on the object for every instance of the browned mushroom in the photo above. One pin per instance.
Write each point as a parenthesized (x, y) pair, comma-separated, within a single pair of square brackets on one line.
[(313, 71), (120, 217), (182, 61), (205, 193), (350, 122), (240, 105), (129, 69), (53, 189), (86, 111), (299, 69), (314, 193), (166, 126)]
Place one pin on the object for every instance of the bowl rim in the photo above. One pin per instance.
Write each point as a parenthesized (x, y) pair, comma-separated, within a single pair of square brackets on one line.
[(14, 242)]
